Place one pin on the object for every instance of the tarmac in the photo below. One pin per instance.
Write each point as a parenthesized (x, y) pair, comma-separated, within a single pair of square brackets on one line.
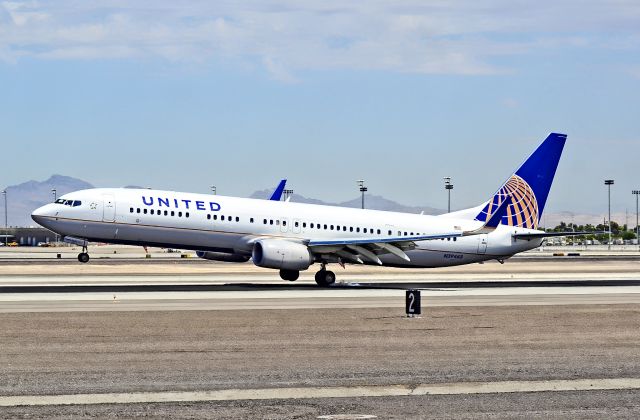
[(186, 339)]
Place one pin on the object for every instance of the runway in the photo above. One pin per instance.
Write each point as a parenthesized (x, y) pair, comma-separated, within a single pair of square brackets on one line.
[(144, 341)]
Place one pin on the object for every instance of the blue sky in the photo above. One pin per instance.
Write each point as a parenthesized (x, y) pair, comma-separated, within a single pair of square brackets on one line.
[(400, 93)]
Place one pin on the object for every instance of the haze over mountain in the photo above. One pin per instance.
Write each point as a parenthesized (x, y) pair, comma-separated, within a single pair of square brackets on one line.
[(26, 197), (374, 202), (23, 198)]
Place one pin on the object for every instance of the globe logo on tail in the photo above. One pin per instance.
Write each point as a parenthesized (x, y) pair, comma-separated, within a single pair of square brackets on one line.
[(523, 210)]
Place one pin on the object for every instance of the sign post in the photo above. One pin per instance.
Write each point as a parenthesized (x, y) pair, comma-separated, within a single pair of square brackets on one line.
[(412, 303)]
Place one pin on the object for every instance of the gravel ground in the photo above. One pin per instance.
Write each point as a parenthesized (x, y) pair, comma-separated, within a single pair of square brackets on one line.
[(59, 353)]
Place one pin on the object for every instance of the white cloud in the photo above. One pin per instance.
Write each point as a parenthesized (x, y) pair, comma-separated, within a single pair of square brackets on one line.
[(437, 37)]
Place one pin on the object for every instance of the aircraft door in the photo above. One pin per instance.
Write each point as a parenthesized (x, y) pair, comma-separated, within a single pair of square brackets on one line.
[(482, 244), (108, 208), (296, 226)]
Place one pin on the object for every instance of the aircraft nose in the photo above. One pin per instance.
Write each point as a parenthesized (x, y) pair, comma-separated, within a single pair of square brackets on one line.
[(41, 213)]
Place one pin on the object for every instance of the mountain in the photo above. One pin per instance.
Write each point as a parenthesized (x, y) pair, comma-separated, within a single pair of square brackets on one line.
[(22, 199), (373, 202)]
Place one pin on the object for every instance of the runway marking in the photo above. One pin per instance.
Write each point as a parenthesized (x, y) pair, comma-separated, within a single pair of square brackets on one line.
[(458, 388)]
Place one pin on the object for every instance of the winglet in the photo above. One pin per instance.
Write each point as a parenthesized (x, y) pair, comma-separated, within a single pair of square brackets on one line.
[(494, 220), (277, 193), (497, 216)]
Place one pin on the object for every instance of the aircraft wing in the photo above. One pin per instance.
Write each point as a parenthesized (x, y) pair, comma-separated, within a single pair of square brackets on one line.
[(355, 250)]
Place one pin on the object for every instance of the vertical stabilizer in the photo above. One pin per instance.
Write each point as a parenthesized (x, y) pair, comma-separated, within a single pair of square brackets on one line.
[(529, 186)]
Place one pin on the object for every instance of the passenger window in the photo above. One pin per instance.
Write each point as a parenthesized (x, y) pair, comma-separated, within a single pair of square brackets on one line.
[(358, 230), (344, 228), (271, 221), (296, 224), (237, 219), (179, 214), (350, 228), (152, 211), (278, 223), (405, 234), (251, 220), (265, 221), (331, 227), (208, 217), (215, 217), (365, 230), (145, 211), (173, 213), (378, 231), (222, 218), (186, 214), (166, 213), (455, 239), (389, 233), (304, 224), (131, 210), (138, 211), (284, 222), (311, 225), (325, 227)]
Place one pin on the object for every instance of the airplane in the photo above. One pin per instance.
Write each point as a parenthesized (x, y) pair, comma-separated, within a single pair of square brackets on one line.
[(291, 237)]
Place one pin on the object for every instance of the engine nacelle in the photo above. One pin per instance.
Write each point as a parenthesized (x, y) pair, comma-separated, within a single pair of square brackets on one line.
[(222, 256), (282, 255)]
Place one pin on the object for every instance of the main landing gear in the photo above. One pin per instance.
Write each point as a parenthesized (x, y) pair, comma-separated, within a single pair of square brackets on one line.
[(83, 257), (324, 277)]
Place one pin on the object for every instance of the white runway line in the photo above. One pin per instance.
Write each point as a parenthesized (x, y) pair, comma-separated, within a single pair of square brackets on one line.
[(326, 392)]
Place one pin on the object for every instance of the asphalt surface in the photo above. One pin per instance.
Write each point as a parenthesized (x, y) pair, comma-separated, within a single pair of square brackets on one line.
[(190, 327)]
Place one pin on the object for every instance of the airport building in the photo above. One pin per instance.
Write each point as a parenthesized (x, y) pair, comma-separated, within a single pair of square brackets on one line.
[(27, 236)]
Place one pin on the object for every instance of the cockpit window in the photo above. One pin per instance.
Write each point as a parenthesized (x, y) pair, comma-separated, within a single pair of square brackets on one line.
[(71, 203)]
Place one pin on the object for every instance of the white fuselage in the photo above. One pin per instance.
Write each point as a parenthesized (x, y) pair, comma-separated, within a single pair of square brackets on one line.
[(231, 225)]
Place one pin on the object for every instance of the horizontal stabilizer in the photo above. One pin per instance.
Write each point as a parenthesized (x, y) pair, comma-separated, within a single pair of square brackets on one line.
[(534, 235)]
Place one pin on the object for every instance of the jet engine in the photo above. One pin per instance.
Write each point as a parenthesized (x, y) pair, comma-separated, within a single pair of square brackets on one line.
[(223, 256), (280, 254)]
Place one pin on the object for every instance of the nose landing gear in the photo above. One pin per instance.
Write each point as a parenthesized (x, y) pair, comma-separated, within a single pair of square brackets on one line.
[(83, 257)]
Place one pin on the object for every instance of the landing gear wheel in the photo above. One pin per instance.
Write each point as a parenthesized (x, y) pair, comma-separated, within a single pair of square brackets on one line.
[(325, 278), (289, 275), (83, 257)]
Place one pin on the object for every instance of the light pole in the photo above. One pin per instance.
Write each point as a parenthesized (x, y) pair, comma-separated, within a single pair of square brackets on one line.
[(448, 186), (6, 223), (609, 183), (637, 193), (287, 194), (55, 198), (363, 189), (214, 190)]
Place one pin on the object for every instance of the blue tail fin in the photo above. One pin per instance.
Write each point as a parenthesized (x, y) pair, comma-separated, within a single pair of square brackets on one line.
[(529, 186)]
